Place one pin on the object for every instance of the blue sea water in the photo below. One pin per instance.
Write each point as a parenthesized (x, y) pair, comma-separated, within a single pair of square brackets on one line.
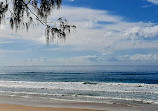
[(121, 84), (117, 74)]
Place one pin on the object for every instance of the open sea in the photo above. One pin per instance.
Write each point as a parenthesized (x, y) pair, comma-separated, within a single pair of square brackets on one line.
[(102, 84)]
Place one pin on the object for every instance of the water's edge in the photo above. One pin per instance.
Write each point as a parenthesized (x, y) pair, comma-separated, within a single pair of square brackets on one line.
[(123, 93)]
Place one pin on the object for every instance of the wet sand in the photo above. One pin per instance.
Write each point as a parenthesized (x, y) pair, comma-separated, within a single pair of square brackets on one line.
[(8, 107), (12, 107), (8, 103)]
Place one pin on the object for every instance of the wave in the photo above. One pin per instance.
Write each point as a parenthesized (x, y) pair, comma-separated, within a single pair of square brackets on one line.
[(83, 91), (90, 86), (79, 98)]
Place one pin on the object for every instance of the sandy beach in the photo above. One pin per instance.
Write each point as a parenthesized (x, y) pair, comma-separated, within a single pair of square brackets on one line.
[(34, 104), (8, 107), (114, 107), (39, 90)]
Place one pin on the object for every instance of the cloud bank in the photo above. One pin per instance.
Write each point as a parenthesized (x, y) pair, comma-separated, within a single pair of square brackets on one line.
[(153, 1), (97, 30)]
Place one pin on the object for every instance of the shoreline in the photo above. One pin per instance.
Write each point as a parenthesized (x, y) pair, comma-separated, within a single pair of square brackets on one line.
[(38, 104), (78, 91)]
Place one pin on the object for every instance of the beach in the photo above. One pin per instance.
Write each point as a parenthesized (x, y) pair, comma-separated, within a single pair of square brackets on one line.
[(78, 55), (8, 103), (8, 107), (107, 107), (77, 88)]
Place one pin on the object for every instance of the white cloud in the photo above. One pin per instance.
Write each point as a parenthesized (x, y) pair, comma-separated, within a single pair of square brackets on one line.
[(140, 57), (116, 35), (111, 35), (144, 32), (153, 1)]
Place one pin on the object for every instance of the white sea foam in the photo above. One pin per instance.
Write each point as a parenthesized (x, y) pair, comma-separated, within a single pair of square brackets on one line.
[(145, 93), (108, 87)]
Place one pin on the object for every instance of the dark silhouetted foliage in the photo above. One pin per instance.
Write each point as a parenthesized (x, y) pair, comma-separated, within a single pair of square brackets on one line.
[(24, 13)]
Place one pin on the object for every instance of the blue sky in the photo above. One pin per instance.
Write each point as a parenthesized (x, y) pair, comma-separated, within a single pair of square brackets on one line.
[(109, 32)]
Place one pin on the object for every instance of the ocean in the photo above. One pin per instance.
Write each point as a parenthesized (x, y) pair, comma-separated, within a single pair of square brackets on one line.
[(101, 84)]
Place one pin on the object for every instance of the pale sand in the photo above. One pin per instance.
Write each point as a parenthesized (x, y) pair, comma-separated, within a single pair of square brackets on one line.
[(8, 107), (36, 104)]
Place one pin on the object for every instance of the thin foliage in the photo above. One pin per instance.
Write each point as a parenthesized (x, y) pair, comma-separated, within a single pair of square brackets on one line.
[(25, 13)]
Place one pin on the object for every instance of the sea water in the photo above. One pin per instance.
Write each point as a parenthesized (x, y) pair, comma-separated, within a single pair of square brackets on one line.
[(102, 84)]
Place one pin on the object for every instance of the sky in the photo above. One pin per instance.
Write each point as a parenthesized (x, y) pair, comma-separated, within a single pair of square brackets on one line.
[(109, 32)]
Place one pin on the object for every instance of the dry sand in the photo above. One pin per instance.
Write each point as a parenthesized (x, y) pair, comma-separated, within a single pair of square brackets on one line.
[(8, 107)]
